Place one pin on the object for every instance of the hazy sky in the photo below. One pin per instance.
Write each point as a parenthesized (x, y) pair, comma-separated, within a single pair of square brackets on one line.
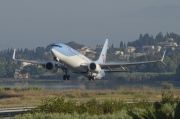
[(32, 23)]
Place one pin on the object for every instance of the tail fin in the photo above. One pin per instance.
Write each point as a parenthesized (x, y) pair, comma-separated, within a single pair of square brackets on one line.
[(102, 57)]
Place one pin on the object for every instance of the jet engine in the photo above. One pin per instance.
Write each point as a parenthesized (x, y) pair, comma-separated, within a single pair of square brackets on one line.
[(94, 67), (51, 67)]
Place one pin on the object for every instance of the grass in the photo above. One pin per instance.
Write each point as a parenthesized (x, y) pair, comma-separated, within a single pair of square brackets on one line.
[(34, 97), (121, 114), (52, 108)]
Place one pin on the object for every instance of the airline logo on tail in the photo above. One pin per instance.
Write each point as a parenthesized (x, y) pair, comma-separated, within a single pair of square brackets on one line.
[(103, 58)]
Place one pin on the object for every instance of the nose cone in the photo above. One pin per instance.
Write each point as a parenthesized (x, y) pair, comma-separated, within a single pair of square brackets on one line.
[(52, 50)]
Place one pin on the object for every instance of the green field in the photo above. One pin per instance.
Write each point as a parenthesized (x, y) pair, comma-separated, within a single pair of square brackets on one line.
[(33, 96), (93, 104)]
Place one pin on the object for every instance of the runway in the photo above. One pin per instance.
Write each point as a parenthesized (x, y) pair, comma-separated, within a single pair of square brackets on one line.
[(11, 112)]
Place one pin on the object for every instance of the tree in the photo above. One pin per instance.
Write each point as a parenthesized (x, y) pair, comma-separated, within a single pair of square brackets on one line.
[(112, 46), (121, 44), (33, 70), (2, 70), (10, 69), (178, 71), (167, 86), (160, 37)]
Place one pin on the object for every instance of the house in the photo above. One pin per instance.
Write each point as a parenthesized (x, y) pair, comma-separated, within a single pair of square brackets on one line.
[(139, 54), (119, 53), (168, 44), (18, 75), (158, 48), (124, 56), (151, 48), (91, 56), (129, 49), (148, 48), (25, 64), (85, 50)]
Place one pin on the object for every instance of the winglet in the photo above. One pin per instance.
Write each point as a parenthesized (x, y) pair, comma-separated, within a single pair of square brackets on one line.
[(162, 60), (14, 54)]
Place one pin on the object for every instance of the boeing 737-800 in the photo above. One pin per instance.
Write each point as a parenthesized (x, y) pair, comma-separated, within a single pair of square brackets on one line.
[(69, 59)]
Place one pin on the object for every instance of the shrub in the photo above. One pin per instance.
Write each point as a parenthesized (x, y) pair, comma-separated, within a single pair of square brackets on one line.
[(168, 108), (167, 86), (32, 88), (8, 88), (57, 105)]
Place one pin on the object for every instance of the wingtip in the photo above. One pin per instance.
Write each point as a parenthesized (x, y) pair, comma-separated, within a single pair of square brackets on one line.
[(14, 54), (163, 55), (162, 60)]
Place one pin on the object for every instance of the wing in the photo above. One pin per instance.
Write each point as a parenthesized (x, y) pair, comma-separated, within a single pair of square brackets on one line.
[(28, 61), (58, 64), (122, 65)]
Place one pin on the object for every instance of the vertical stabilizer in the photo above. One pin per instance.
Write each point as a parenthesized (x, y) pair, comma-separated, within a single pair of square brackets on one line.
[(102, 57)]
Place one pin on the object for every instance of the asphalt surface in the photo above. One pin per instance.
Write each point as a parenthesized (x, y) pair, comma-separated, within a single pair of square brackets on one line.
[(11, 112)]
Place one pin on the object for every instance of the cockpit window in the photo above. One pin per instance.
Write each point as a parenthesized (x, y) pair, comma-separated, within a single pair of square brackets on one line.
[(57, 46)]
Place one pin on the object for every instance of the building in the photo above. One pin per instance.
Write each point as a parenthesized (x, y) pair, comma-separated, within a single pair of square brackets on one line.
[(18, 75), (129, 49), (119, 53), (148, 48), (91, 56), (25, 64), (139, 54), (85, 50), (151, 48), (168, 44), (158, 48)]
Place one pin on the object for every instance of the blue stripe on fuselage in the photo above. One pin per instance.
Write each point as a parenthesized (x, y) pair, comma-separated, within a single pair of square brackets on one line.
[(65, 50)]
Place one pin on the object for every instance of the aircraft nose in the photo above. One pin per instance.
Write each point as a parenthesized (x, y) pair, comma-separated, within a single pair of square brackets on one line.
[(52, 50)]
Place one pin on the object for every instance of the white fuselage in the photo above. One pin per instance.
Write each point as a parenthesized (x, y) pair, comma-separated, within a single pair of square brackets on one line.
[(73, 60)]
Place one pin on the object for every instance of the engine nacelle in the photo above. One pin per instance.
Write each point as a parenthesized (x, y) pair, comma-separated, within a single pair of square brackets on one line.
[(94, 67), (51, 67)]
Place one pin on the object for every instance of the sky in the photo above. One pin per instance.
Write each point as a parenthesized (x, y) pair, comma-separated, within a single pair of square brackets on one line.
[(33, 23)]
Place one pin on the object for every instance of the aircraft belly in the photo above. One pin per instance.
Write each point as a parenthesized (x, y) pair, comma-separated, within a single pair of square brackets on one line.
[(72, 62)]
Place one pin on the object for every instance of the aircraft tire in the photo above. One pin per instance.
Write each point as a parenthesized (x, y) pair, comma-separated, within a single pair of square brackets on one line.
[(64, 77), (89, 77), (68, 77)]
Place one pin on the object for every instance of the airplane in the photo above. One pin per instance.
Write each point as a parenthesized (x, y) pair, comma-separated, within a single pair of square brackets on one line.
[(68, 59)]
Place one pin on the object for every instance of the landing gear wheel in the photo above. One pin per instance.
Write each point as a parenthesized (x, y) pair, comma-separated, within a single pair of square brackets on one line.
[(68, 77), (64, 77), (91, 78)]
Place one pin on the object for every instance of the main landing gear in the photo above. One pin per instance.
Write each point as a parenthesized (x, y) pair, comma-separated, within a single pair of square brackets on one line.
[(66, 77), (91, 78)]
